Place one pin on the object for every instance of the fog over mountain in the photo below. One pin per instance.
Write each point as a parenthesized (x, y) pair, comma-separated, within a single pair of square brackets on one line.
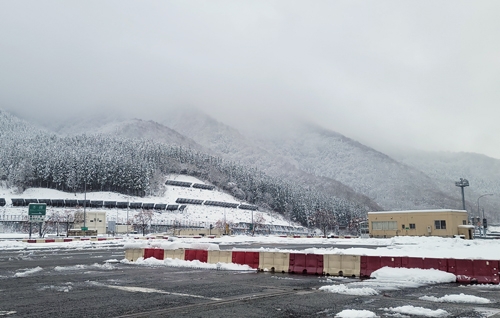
[(388, 74)]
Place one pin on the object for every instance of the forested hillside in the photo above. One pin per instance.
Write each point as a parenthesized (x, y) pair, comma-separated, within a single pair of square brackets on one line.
[(31, 157), (392, 184), (232, 145), (317, 156)]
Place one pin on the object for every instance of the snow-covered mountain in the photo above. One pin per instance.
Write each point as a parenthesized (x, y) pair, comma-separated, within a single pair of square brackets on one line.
[(233, 145), (482, 172), (305, 149), (325, 161), (390, 183)]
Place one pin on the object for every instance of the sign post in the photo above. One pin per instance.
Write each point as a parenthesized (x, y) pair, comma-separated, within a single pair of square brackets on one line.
[(36, 213)]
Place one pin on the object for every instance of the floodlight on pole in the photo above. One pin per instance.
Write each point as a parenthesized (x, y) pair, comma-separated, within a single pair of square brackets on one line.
[(462, 184), (479, 211), (85, 205)]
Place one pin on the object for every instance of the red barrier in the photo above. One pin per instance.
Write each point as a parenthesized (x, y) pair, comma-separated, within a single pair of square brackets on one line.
[(154, 252), (199, 255), (369, 264), (474, 271), (50, 240), (424, 263), (486, 271), (412, 262), (246, 258), (102, 239), (390, 261), (462, 268), (31, 241), (68, 240), (306, 264)]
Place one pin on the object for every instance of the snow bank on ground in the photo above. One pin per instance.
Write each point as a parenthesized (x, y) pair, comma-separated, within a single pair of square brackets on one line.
[(345, 290), (28, 272), (388, 278), (352, 313), (415, 275), (105, 266), (436, 247), (461, 298), (175, 245), (418, 311), (192, 264)]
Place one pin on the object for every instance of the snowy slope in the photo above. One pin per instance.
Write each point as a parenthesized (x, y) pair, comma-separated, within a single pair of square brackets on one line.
[(195, 215)]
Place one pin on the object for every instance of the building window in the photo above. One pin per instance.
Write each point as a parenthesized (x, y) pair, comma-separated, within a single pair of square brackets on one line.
[(403, 226), (440, 224), (464, 222), (384, 225), (412, 226)]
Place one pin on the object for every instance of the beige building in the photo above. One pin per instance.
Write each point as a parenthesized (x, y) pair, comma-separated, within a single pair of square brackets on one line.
[(444, 223), (95, 220)]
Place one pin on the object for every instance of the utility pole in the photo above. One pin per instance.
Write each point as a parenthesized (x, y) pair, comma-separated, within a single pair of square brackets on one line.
[(479, 211), (85, 206)]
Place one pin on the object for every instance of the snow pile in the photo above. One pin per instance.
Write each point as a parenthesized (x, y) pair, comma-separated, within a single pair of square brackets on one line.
[(343, 289), (64, 289), (192, 264), (415, 275), (462, 298), (105, 266), (388, 278), (172, 245), (28, 272), (352, 313), (418, 311)]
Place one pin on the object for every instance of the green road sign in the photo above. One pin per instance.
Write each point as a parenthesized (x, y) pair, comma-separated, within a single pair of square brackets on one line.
[(37, 208), (85, 228)]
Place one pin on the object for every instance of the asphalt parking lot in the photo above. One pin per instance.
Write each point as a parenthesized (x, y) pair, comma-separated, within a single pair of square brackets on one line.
[(80, 283)]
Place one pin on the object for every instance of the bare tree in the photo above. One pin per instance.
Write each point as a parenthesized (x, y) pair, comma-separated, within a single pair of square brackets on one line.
[(143, 220), (224, 226), (258, 222), (323, 219)]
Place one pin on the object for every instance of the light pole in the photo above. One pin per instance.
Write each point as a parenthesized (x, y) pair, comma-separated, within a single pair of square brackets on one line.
[(126, 223), (462, 184), (84, 207), (479, 211)]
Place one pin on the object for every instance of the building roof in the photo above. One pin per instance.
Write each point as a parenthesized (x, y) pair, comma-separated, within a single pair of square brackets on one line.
[(419, 211)]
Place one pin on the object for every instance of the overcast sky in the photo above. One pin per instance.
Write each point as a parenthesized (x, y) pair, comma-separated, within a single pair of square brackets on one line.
[(418, 74)]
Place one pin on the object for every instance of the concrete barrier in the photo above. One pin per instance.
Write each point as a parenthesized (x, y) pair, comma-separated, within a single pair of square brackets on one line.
[(342, 265), (276, 262), (466, 270), (215, 257), (311, 264), (246, 258), (154, 252), (175, 254), (198, 255), (133, 254)]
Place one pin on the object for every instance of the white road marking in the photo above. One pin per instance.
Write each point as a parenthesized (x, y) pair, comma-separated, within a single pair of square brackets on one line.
[(5, 313), (152, 290)]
